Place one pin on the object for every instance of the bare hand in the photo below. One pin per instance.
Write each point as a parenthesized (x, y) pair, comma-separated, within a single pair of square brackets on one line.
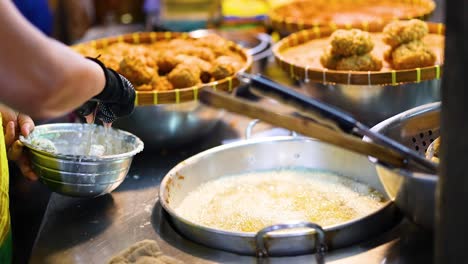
[(15, 124)]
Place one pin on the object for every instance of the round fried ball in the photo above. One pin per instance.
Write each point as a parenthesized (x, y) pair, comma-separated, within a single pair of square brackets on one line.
[(329, 60), (400, 32), (366, 62), (138, 69), (351, 42), (184, 75), (412, 55)]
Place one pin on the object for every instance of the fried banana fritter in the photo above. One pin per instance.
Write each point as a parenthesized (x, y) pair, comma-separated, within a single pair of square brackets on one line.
[(138, 69), (412, 55), (184, 75), (351, 42), (366, 62), (401, 32)]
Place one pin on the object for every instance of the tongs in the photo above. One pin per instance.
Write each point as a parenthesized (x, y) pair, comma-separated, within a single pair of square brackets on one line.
[(318, 120)]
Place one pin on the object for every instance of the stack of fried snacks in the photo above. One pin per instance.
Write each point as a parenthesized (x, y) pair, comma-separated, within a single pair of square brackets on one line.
[(170, 64), (350, 50), (407, 50)]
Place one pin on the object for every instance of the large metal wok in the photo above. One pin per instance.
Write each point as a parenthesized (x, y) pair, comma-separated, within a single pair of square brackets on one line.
[(275, 153)]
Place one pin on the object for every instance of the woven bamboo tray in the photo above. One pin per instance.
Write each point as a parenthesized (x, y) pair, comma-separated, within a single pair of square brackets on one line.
[(323, 75), (287, 25), (174, 96)]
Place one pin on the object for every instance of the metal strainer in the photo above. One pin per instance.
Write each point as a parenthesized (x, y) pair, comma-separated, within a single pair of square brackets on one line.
[(414, 194)]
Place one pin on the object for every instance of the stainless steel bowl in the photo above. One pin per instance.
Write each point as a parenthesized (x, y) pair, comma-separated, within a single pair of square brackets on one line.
[(413, 193), (69, 171), (374, 103), (164, 126), (266, 154)]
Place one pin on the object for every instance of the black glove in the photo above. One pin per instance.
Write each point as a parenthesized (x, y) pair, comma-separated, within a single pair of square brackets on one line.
[(116, 100)]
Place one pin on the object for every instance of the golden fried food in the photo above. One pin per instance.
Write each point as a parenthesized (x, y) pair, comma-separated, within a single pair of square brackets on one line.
[(161, 83), (111, 61), (87, 50), (366, 62), (138, 69), (401, 32), (224, 66), (184, 75), (351, 42), (328, 59), (166, 62), (204, 66), (433, 150), (412, 55)]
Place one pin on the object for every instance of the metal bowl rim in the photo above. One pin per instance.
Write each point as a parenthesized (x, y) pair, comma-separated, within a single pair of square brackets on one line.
[(138, 143), (242, 143), (430, 107)]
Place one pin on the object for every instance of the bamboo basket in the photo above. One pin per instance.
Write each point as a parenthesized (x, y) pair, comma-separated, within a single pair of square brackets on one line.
[(324, 75), (175, 96), (286, 25)]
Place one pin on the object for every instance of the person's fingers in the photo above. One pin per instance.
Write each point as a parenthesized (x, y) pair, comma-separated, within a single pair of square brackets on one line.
[(9, 134), (8, 114), (15, 151), (90, 118), (25, 167), (26, 124)]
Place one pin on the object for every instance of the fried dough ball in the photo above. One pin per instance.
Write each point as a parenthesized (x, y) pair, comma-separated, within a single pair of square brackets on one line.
[(366, 62), (201, 52), (138, 69), (111, 61), (328, 59), (224, 66), (166, 62), (412, 55), (204, 66), (161, 83), (144, 87), (400, 32), (351, 42), (184, 75)]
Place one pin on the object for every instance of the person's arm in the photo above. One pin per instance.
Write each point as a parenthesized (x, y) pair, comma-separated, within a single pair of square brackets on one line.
[(40, 76)]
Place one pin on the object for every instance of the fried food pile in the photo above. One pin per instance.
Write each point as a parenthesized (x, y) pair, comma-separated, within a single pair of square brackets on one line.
[(350, 50), (171, 64), (407, 51), (432, 152)]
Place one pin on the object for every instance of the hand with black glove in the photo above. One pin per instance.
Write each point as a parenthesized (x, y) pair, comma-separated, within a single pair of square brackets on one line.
[(116, 100)]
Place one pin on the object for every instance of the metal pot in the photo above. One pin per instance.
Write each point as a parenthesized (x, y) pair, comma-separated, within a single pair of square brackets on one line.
[(413, 193), (374, 103), (274, 153)]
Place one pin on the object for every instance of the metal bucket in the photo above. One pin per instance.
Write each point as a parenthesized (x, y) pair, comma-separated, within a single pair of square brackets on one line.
[(274, 153), (413, 193)]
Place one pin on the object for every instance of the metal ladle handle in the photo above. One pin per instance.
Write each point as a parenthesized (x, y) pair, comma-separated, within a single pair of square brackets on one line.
[(320, 244)]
